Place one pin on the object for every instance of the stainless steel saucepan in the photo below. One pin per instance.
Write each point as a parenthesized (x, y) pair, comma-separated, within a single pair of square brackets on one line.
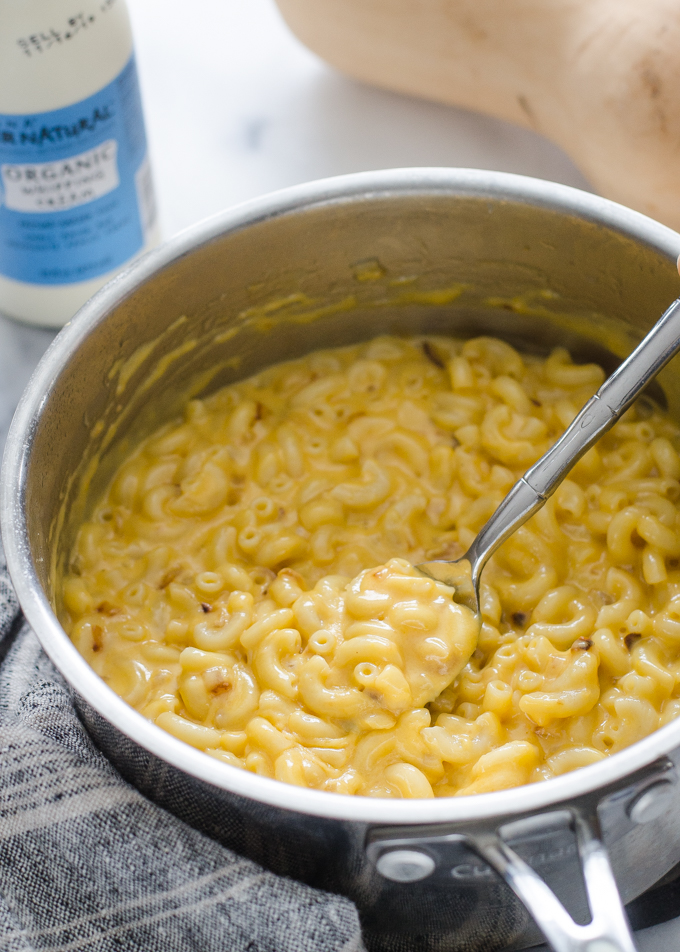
[(334, 262)]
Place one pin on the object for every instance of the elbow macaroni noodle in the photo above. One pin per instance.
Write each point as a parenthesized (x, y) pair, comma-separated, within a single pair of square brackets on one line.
[(226, 585)]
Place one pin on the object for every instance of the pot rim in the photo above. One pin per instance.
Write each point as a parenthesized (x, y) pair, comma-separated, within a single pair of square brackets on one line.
[(363, 186)]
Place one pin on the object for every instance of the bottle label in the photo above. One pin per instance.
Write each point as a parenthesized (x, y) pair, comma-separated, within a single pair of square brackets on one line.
[(76, 196)]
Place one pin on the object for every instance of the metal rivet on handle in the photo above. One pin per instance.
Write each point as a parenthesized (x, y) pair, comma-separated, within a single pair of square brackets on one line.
[(652, 802), (405, 866)]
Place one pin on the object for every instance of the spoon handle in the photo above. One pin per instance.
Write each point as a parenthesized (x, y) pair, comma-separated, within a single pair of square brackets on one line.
[(597, 416)]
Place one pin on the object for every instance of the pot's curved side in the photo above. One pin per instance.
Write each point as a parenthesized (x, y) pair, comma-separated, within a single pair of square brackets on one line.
[(463, 904)]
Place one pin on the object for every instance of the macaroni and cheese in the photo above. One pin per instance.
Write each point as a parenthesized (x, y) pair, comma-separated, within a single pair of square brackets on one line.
[(226, 586)]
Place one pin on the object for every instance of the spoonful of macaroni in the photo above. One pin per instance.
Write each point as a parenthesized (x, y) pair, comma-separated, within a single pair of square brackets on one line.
[(539, 482)]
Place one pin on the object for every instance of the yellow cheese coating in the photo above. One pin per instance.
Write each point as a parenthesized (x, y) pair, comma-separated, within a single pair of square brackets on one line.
[(226, 586)]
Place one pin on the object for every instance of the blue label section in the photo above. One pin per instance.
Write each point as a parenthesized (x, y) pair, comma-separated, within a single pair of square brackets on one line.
[(76, 198)]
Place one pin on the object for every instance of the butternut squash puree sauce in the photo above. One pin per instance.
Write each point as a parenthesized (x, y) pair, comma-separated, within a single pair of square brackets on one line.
[(226, 585)]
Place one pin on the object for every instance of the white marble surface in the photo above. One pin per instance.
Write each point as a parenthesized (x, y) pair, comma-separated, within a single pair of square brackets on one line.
[(235, 107)]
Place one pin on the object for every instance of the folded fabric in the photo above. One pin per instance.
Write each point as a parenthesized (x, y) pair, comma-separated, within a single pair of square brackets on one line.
[(87, 862)]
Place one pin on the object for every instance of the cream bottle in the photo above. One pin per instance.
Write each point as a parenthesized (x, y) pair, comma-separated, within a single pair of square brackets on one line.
[(76, 195)]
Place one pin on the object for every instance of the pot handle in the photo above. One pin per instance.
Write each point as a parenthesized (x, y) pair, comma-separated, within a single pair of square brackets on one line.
[(608, 930)]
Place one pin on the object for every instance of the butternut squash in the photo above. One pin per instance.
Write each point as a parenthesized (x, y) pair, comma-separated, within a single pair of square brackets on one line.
[(601, 78)]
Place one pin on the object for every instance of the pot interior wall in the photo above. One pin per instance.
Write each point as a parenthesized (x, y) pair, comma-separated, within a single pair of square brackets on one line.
[(331, 274)]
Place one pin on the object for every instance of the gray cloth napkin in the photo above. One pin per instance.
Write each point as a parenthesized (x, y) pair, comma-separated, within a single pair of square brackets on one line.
[(86, 862)]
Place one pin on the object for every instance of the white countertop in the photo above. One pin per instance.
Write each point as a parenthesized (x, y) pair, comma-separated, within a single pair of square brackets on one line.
[(236, 107)]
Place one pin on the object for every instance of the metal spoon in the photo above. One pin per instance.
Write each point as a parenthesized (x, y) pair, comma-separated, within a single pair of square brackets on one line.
[(530, 492)]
